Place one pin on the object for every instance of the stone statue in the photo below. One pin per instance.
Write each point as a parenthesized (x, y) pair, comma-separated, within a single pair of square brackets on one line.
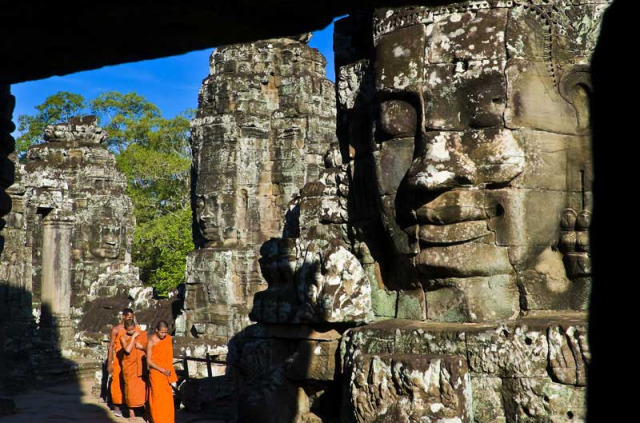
[(482, 153), (482, 164)]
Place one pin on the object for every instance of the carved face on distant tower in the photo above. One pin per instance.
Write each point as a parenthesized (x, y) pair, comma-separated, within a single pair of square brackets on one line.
[(106, 235), (215, 218), (481, 142)]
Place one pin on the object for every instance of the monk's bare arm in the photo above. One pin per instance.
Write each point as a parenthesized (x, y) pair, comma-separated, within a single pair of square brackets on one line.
[(112, 344), (150, 363), (140, 347), (128, 346)]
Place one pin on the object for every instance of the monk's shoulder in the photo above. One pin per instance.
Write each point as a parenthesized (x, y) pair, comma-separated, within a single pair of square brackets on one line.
[(116, 329)]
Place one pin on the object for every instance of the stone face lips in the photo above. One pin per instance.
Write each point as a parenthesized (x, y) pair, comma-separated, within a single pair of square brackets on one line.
[(266, 117)]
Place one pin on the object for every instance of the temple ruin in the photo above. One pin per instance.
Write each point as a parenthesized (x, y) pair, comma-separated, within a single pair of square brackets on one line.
[(431, 263), (69, 234)]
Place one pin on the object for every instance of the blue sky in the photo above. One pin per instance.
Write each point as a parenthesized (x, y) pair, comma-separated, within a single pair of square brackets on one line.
[(171, 83)]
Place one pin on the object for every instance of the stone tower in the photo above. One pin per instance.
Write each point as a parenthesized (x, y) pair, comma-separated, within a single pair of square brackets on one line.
[(78, 219), (266, 115)]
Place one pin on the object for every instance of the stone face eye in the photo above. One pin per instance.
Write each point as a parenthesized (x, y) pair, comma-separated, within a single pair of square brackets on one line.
[(200, 204), (398, 119)]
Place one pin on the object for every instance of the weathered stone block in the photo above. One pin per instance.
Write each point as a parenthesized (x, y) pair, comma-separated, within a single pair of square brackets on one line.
[(569, 354), (312, 360), (488, 404), (383, 301), (411, 304), (464, 95), (554, 291), (392, 163), (509, 351), (400, 56), (523, 370), (408, 388), (541, 400), (468, 35), (530, 105)]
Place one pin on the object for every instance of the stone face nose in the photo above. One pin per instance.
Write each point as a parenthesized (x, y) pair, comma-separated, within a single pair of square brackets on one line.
[(442, 164), (451, 159)]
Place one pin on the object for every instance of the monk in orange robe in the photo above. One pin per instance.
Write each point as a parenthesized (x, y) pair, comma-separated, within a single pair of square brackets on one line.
[(134, 343), (161, 375), (114, 357)]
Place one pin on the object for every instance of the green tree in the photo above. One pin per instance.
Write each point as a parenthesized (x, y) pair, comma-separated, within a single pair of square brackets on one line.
[(154, 154), (59, 107), (152, 151), (160, 247)]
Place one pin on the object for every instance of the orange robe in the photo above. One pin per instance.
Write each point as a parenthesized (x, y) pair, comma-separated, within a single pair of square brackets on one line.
[(160, 392), (135, 388), (116, 375)]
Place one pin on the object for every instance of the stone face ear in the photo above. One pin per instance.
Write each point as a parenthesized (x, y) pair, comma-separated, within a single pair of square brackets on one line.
[(575, 87)]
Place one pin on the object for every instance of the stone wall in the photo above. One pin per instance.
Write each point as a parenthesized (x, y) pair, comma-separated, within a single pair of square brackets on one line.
[(531, 369), (15, 299), (265, 118)]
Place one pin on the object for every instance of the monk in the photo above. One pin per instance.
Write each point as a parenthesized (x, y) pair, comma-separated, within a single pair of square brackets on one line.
[(134, 343), (113, 361), (161, 374)]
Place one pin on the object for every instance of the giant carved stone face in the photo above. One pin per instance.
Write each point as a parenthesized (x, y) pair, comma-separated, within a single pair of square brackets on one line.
[(106, 235), (215, 217), (482, 158)]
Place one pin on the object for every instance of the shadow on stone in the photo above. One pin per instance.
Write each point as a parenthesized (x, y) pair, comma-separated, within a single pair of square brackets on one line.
[(34, 373)]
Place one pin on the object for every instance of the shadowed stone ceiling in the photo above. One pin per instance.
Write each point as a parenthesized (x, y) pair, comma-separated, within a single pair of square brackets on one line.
[(42, 39)]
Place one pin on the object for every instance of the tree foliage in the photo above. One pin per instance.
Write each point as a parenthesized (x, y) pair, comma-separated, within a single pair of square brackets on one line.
[(154, 154), (56, 108), (161, 247)]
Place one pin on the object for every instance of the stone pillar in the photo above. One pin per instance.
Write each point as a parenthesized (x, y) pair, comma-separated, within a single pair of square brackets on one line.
[(56, 275), (56, 264)]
